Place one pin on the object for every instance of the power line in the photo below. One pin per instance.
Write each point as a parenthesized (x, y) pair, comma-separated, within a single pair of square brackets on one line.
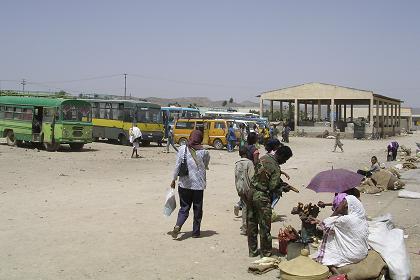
[(84, 79), (192, 83)]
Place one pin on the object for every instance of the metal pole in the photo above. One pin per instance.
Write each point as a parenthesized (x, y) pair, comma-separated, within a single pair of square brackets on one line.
[(125, 86), (23, 85)]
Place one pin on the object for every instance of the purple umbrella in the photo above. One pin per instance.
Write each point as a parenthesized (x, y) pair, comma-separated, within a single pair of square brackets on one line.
[(335, 181)]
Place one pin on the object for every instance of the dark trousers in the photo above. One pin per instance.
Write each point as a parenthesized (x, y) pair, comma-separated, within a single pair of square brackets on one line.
[(364, 173), (187, 198)]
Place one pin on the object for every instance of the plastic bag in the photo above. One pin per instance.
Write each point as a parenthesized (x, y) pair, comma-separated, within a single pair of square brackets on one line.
[(390, 245), (408, 194), (170, 203)]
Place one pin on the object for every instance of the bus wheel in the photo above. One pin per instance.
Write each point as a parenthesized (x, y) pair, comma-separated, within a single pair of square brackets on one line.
[(51, 147), (76, 146), (217, 144), (123, 140), (182, 141), (19, 143), (10, 138)]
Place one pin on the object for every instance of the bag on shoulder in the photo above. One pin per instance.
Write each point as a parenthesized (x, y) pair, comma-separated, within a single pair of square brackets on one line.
[(183, 168)]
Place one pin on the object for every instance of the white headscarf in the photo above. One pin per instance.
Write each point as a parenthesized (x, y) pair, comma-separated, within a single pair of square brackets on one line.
[(355, 207)]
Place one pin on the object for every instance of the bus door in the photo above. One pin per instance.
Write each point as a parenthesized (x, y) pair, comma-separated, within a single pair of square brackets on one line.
[(206, 133), (37, 124), (48, 124)]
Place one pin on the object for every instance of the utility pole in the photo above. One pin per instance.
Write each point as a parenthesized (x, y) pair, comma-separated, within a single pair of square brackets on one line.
[(125, 86), (23, 83)]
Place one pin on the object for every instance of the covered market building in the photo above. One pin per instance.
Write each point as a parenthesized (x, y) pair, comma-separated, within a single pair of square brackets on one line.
[(358, 113)]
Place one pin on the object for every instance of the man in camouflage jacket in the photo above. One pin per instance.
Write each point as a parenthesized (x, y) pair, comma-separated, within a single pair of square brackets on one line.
[(265, 184)]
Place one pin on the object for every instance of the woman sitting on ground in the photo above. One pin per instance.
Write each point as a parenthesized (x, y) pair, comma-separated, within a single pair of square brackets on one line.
[(374, 167), (345, 235)]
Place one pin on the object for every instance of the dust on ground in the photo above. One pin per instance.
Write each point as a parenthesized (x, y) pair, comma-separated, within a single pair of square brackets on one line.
[(98, 214)]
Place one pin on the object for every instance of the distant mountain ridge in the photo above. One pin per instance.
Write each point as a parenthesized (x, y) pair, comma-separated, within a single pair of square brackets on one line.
[(200, 102)]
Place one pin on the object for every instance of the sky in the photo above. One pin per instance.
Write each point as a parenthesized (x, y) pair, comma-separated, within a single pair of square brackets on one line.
[(216, 49)]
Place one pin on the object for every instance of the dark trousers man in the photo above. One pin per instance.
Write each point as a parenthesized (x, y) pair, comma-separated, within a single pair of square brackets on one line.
[(259, 216), (170, 142), (188, 198)]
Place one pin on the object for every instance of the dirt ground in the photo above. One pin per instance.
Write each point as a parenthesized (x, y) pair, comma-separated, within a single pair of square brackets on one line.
[(98, 214)]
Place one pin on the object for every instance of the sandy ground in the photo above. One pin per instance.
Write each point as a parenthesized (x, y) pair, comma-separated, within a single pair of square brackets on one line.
[(97, 214)]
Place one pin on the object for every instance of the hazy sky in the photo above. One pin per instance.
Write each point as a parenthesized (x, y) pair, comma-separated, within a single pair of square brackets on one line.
[(212, 48)]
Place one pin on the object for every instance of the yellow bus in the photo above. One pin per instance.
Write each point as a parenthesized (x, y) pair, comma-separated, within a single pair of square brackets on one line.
[(112, 120)]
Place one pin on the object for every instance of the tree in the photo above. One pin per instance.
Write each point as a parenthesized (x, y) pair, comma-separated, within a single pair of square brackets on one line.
[(224, 103), (231, 100), (61, 93)]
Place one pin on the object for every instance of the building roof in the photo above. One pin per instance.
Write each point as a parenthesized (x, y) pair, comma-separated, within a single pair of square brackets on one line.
[(315, 91)]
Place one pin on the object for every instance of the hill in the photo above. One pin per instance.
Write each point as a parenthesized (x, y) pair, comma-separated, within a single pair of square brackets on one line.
[(199, 102)]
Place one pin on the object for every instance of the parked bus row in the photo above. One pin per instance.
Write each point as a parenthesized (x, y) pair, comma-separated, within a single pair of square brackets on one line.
[(50, 122)]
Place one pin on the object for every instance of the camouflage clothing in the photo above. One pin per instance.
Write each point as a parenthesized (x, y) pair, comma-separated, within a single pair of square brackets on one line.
[(265, 183)]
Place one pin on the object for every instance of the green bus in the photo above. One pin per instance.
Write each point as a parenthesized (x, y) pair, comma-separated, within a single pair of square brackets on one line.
[(48, 121)]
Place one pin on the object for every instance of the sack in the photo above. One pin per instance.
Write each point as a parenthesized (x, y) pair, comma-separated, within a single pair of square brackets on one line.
[(183, 168), (170, 203), (391, 246)]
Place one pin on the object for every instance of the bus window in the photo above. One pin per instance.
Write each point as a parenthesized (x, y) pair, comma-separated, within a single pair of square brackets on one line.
[(1, 112), (96, 110), (48, 115), (8, 114), (219, 125), (76, 113), (27, 114), (184, 125), (156, 115)]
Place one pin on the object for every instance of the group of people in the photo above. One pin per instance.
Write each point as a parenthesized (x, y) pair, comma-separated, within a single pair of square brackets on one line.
[(258, 181), (264, 135)]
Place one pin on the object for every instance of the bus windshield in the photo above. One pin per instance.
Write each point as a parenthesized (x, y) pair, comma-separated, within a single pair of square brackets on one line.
[(148, 115), (76, 113)]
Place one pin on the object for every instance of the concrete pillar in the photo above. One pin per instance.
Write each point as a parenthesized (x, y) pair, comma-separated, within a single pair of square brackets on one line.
[(332, 114), (371, 112), (336, 113), (281, 110), (261, 107), (306, 110), (351, 112), (319, 109), (383, 119), (296, 114), (271, 109), (345, 113), (313, 113), (377, 117), (290, 111), (387, 115), (399, 116), (391, 121)]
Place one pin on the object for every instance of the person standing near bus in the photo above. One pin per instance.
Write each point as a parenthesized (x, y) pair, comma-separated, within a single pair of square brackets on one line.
[(231, 138), (170, 140), (135, 136)]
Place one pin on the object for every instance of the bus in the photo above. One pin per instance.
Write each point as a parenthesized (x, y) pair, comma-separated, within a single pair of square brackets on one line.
[(262, 122), (47, 121), (172, 113), (112, 120)]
